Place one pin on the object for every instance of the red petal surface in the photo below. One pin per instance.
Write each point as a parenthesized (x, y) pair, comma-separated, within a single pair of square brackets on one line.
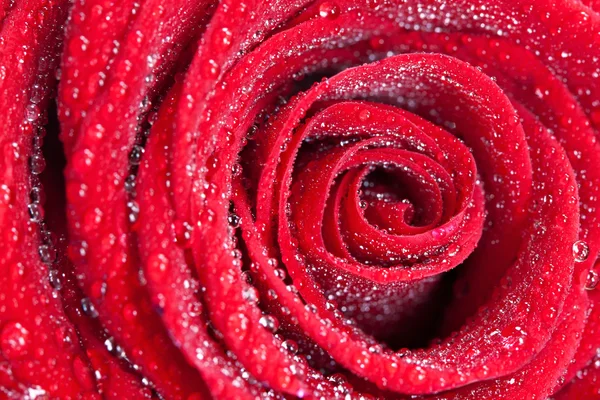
[(323, 199)]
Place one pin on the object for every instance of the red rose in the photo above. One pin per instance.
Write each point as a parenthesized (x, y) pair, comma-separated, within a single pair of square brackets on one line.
[(292, 199)]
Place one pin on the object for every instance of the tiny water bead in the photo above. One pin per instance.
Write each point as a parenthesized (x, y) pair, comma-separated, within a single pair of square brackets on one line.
[(88, 308), (269, 322), (581, 251), (246, 276), (593, 278), (54, 279), (135, 157), (271, 294), (223, 38), (37, 195), (47, 253), (329, 10), (36, 212), (130, 184), (183, 232), (37, 163), (290, 345), (250, 294), (234, 220), (133, 211)]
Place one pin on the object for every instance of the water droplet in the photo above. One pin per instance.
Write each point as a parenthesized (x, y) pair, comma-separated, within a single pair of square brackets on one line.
[(292, 289), (246, 277), (183, 232), (32, 112), (5, 194), (88, 308), (37, 163), (337, 379), (36, 212), (375, 349), (363, 204), (223, 38), (136, 155), (133, 211), (252, 132), (37, 195), (290, 346), (250, 294), (280, 273), (110, 344), (581, 251), (593, 278), (130, 184), (47, 253), (311, 308), (212, 68), (269, 322), (54, 279), (234, 220), (328, 10), (271, 294)]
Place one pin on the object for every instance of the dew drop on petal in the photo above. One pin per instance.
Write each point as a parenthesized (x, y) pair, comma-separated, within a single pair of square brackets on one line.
[(280, 273), (37, 164), (269, 322), (581, 251), (54, 279), (246, 277), (593, 278), (36, 212), (37, 195), (88, 308), (136, 155), (133, 211), (250, 294), (328, 10), (234, 220), (290, 346), (130, 184), (47, 253)]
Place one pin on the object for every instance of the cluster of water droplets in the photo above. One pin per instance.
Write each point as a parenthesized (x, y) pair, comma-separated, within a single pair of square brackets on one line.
[(581, 253), (36, 119), (416, 19)]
